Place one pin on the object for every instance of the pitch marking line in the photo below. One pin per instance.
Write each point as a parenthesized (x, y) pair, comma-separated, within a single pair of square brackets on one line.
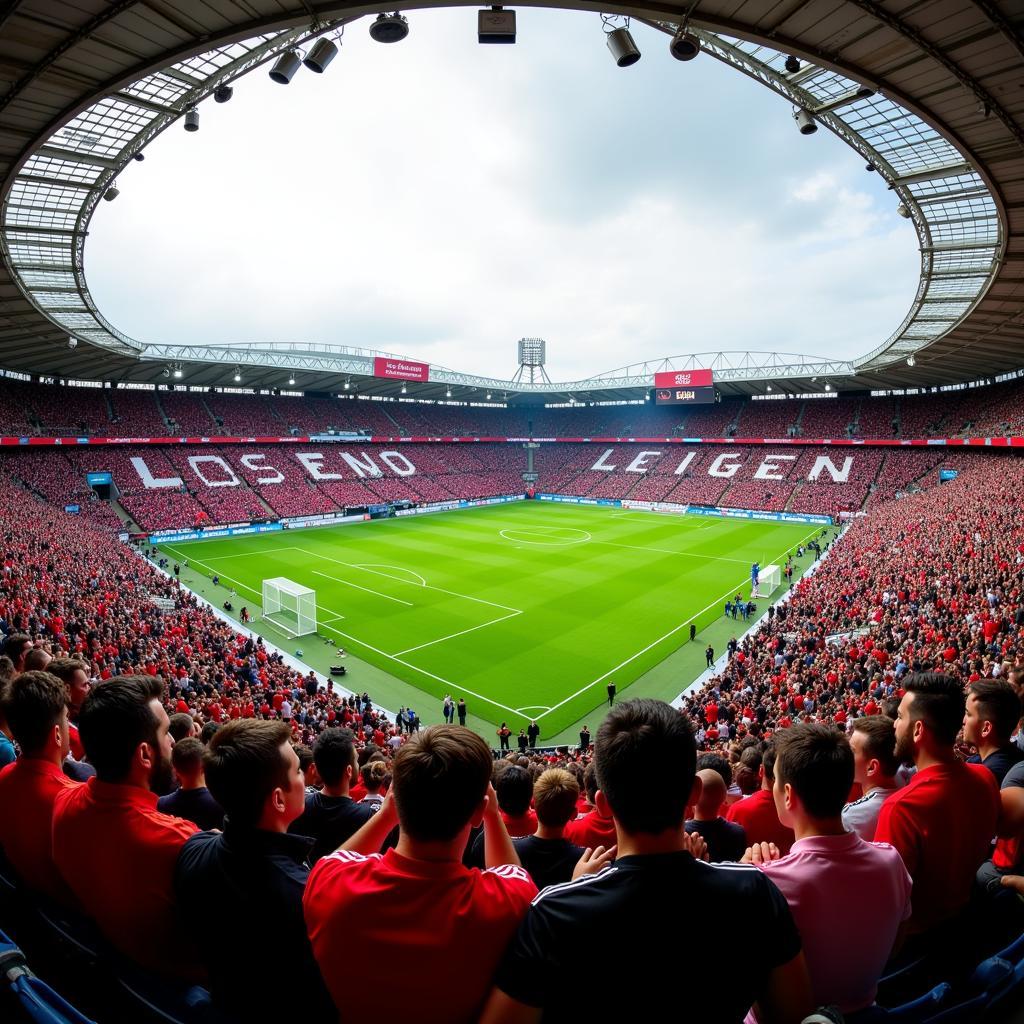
[(362, 643), (451, 636), (367, 590), (517, 536), (633, 657), (533, 707), (426, 586), (668, 551), (379, 565)]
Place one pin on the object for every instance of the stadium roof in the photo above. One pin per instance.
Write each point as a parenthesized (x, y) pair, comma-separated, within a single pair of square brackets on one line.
[(931, 95)]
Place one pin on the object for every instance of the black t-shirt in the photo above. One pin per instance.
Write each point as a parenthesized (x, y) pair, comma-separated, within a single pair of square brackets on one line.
[(330, 820), (195, 805), (726, 840), (654, 927), (548, 861), (1000, 761)]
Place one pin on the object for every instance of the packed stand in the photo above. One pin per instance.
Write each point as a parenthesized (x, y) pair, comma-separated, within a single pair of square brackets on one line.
[(768, 419), (187, 413), (245, 415), (828, 417)]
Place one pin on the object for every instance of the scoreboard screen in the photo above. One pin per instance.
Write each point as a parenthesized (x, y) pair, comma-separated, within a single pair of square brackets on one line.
[(684, 387)]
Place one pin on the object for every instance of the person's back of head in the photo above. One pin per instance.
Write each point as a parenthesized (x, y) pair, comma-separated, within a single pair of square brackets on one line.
[(16, 647), (813, 762), (768, 761), (181, 727), (333, 752), (117, 717), (374, 774), (645, 758), (206, 734), (440, 779), (995, 703), (712, 793), (253, 773), (554, 797), (930, 715), (37, 660), (187, 759), (34, 705), (716, 763), (514, 787), (590, 782)]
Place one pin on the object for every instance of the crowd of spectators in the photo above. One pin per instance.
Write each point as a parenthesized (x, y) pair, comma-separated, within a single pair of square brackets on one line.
[(786, 759)]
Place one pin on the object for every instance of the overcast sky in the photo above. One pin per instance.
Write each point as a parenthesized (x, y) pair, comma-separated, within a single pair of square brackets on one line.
[(440, 199)]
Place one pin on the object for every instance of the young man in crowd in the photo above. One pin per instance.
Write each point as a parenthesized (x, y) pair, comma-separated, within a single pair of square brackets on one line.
[(74, 673), (814, 769), (36, 706), (254, 875), (548, 856), (726, 840), (992, 714), (331, 815), (942, 822), (113, 848), (389, 931), (757, 813), (873, 743), (191, 800), (646, 761), (592, 829)]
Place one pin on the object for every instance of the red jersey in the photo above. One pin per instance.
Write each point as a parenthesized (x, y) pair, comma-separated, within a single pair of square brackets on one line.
[(757, 814), (28, 789), (524, 825), (117, 853), (591, 830), (376, 919), (942, 822)]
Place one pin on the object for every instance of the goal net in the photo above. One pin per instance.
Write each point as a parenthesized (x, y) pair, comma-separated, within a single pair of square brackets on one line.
[(289, 606), (769, 580)]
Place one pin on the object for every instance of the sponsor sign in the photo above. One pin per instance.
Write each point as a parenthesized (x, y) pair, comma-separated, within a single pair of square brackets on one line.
[(400, 369)]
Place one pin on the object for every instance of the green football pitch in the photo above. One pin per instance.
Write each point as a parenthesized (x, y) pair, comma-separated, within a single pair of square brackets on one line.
[(526, 610)]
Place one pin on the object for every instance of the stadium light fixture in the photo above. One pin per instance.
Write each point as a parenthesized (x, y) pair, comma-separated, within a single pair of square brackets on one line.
[(238, 377), (488, 396), (620, 41), (911, 360), (404, 389), (140, 157), (448, 393), (178, 371), (685, 45), (828, 387), (191, 120), (805, 121), (291, 382), (348, 383), (223, 93), (112, 192), (869, 167), (72, 341), (285, 67), (166, 372), (792, 64), (389, 28), (769, 387), (323, 52), (904, 211), (496, 26)]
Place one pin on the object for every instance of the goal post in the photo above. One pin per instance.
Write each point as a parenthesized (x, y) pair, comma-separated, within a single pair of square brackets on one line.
[(769, 580), (289, 606)]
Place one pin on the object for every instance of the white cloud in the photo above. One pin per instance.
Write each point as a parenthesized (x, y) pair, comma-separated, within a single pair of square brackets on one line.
[(441, 199)]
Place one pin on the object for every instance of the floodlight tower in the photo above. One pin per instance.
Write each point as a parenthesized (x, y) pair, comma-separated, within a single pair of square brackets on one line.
[(531, 361)]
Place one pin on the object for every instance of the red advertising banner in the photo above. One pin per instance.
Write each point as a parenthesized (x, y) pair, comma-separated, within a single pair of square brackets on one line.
[(400, 369), (683, 379)]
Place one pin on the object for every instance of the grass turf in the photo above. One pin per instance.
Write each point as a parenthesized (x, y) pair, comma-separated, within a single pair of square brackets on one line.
[(526, 610)]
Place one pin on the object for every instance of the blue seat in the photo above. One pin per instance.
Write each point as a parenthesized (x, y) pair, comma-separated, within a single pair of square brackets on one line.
[(1014, 952), (161, 1000), (40, 1003), (914, 1012), (967, 1011)]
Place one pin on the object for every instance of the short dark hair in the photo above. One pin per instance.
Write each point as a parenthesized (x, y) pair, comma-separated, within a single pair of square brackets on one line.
[(304, 754), (115, 719), (65, 668), (187, 754), (939, 702), (716, 763), (646, 760), (333, 752), (14, 642), (181, 726), (206, 733), (32, 706), (816, 760), (244, 765), (440, 777), (768, 760), (879, 741), (555, 796), (999, 704), (514, 787)]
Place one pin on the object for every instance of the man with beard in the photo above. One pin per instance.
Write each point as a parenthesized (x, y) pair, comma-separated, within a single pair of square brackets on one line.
[(113, 848), (942, 822)]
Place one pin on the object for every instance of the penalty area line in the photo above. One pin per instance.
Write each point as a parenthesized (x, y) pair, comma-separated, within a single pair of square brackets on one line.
[(451, 636), (376, 593)]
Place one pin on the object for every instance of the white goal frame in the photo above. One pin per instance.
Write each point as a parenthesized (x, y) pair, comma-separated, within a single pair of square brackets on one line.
[(284, 595), (769, 579)]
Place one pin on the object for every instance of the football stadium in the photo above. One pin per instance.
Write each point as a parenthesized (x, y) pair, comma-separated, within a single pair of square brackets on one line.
[(323, 566)]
